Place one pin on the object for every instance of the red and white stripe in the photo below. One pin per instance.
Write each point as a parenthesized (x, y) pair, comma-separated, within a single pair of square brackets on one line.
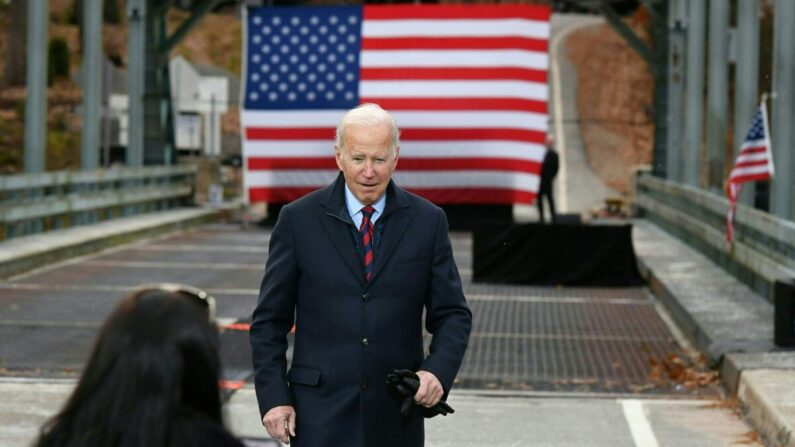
[(467, 85), (755, 160), (754, 163)]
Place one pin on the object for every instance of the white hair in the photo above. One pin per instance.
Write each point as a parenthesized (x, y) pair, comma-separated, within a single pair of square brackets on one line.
[(370, 115)]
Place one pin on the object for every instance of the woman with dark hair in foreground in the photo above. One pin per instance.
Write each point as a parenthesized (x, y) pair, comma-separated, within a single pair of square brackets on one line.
[(151, 380)]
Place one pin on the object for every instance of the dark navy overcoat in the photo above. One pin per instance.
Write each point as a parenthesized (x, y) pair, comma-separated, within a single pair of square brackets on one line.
[(350, 334)]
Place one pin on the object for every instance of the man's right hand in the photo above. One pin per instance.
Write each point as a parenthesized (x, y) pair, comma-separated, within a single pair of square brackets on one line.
[(280, 423)]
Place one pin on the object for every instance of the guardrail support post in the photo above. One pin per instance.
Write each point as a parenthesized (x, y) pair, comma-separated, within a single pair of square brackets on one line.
[(717, 94), (783, 132), (784, 313), (92, 84), (694, 101), (747, 73), (36, 81)]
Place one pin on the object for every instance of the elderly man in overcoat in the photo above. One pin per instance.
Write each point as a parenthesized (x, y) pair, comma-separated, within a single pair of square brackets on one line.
[(353, 266)]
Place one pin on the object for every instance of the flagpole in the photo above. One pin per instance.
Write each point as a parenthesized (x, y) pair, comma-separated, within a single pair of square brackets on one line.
[(772, 164), (743, 170), (242, 108)]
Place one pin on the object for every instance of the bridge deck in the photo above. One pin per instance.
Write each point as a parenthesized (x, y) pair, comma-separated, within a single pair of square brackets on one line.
[(524, 338)]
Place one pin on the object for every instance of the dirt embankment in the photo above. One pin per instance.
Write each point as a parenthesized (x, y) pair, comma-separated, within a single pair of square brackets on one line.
[(614, 101)]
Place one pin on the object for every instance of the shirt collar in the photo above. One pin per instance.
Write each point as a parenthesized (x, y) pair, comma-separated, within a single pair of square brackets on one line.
[(355, 206)]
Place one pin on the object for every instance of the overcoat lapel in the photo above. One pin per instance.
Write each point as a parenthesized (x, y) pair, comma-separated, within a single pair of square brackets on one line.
[(336, 223), (397, 217)]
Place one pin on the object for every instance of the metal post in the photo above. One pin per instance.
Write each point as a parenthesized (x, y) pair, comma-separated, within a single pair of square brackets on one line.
[(36, 80), (695, 97), (136, 48), (717, 93), (783, 132), (154, 107), (747, 77), (106, 89), (168, 138), (92, 83), (213, 127), (676, 52), (784, 312), (207, 121)]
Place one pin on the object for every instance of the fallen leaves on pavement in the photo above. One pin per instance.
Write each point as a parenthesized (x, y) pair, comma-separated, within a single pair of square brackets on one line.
[(673, 369)]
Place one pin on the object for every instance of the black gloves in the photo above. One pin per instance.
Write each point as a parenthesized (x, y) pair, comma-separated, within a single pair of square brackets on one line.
[(403, 385)]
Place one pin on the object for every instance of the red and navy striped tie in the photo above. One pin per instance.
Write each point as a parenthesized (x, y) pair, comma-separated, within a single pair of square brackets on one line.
[(366, 235)]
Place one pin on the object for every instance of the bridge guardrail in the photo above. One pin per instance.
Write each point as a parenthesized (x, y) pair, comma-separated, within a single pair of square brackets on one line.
[(764, 245), (34, 203)]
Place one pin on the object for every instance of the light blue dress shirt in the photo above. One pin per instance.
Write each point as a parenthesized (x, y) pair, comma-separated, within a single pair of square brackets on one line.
[(355, 207)]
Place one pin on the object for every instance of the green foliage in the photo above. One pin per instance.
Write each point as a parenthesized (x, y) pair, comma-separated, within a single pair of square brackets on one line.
[(76, 18), (10, 160), (116, 59), (19, 108), (111, 12), (63, 150), (233, 62), (58, 65), (11, 142)]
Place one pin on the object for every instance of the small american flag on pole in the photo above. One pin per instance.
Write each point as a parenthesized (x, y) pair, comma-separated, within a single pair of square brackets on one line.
[(467, 85), (754, 163)]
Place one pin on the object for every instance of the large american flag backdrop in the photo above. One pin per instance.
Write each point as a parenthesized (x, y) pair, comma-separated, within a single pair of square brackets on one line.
[(467, 85)]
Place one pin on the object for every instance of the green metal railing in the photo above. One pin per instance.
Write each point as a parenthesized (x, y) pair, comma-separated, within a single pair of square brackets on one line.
[(764, 245), (35, 203)]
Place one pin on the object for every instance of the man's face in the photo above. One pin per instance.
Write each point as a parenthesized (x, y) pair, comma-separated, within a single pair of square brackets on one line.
[(367, 160)]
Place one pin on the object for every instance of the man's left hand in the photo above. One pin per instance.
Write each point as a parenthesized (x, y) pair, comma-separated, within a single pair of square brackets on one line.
[(430, 391)]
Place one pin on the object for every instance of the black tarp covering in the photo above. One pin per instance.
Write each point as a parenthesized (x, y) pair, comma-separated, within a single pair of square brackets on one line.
[(569, 255)]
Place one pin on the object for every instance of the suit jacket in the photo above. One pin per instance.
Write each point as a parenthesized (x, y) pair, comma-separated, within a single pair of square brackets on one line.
[(549, 170), (350, 334)]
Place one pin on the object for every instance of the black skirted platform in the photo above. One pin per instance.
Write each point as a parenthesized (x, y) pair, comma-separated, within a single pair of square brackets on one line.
[(570, 255)]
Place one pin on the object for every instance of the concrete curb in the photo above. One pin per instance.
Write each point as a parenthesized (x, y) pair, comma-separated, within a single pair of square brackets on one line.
[(27, 253), (714, 311), (735, 364), (768, 397), (684, 320)]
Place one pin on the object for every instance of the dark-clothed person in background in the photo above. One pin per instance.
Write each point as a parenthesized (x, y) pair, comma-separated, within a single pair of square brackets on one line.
[(151, 380), (549, 170), (354, 265)]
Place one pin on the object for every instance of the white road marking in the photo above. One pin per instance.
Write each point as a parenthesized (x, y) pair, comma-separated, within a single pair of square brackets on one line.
[(176, 265), (51, 323), (685, 400), (96, 254), (557, 300), (202, 248), (537, 336), (230, 291), (225, 321), (221, 321), (639, 425), (109, 288)]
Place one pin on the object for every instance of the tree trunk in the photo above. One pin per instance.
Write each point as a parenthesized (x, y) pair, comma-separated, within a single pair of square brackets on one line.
[(16, 40)]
